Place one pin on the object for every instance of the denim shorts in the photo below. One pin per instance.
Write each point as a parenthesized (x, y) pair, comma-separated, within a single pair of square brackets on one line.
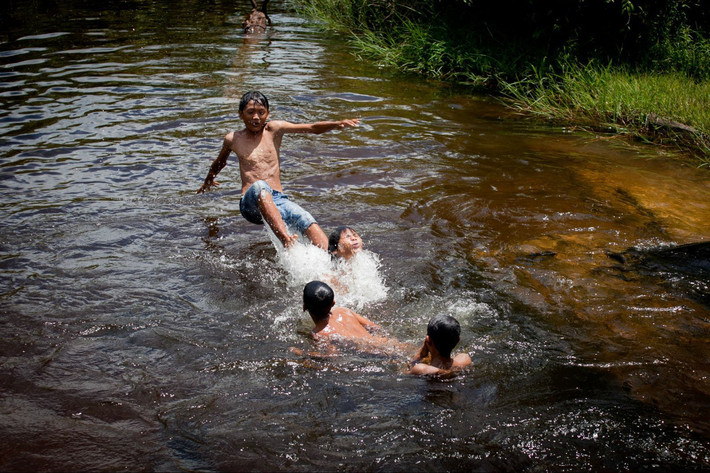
[(292, 214)]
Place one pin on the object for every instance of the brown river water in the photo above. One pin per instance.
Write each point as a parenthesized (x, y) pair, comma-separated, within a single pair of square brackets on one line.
[(146, 328)]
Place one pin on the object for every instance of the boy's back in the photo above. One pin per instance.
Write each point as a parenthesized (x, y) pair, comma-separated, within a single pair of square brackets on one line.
[(346, 324)]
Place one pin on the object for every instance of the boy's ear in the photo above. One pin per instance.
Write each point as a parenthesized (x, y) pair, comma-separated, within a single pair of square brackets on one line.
[(333, 304)]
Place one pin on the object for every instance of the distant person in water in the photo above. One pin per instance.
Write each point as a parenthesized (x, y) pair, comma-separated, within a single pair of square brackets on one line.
[(443, 334), (344, 242), (257, 148), (339, 323)]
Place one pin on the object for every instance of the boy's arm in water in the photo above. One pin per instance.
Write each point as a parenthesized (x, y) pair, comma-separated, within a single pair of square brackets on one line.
[(217, 165), (423, 368), (415, 362), (328, 350), (460, 361), (282, 126), (365, 322), (417, 367)]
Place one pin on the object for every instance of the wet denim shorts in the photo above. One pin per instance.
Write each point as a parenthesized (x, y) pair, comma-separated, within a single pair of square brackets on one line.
[(293, 214)]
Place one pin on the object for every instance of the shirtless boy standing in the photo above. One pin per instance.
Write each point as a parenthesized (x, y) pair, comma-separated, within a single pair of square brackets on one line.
[(257, 147)]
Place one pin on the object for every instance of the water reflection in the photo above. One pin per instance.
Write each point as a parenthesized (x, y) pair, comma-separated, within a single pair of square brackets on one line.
[(150, 328)]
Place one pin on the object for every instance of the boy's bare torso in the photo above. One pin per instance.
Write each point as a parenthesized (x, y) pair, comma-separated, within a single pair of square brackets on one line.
[(258, 155)]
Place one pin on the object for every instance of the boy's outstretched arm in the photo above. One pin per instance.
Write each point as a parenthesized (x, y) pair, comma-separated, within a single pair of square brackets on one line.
[(217, 165), (316, 128)]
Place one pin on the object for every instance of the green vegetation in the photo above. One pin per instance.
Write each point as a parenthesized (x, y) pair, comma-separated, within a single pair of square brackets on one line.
[(638, 67)]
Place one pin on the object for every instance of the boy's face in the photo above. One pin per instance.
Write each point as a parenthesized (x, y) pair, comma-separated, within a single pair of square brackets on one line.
[(254, 116), (349, 244)]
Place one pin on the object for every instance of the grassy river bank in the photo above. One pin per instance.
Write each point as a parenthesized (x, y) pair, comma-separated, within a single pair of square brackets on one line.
[(638, 70)]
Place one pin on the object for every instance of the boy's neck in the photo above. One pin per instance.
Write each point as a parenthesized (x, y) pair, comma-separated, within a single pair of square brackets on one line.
[(321, 324), (439, 361), (250, 133), (254, 134)]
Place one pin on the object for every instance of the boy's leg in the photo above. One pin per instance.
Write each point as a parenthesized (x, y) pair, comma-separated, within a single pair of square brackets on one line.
[(273, 218), (317, 236)]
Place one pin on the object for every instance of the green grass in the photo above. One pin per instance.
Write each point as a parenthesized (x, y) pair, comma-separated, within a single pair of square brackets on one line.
[(628, 102), (670, 105)]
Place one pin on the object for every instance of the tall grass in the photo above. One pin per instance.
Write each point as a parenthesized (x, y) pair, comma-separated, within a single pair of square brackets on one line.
[(665, 107), (667, 99)]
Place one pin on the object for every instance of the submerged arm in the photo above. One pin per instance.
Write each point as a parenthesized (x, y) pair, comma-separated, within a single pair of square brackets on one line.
[(365, 322)]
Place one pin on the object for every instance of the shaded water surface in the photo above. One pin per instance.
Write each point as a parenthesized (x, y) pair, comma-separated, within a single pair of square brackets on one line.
[(147, 328)]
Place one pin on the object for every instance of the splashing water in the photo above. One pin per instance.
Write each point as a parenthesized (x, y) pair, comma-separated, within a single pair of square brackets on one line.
[(355, 282), (360, 280)]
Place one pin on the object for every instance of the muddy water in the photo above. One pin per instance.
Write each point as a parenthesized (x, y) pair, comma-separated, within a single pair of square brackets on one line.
[(146, 328)]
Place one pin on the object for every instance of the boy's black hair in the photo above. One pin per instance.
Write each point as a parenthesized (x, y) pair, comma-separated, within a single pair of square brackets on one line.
[(257, 97), (318, 299), (334, 238), (444, 332)]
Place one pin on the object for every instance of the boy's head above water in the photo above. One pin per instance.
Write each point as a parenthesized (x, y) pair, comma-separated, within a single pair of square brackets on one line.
[(344, 242), (254, 111), (444, 332), (257, 97), (318, 299)]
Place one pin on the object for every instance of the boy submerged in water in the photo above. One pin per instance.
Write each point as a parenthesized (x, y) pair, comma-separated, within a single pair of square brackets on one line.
[(338, 323), (443, 334), (257, 148)]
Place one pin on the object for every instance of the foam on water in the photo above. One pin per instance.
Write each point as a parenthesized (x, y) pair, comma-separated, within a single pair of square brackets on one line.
[(359, 280), (355, 282)]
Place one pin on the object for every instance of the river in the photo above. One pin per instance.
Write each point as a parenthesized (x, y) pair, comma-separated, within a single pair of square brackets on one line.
[(146, 328)]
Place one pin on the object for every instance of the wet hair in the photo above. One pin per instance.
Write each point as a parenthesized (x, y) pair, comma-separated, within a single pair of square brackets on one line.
[(257, 97), (318, 299), (334, 238), (444, 332)]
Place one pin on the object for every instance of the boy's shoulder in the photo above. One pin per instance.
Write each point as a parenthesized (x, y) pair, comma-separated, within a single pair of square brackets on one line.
[(461, 360), (275, 125), (342, 312), (230, 137)]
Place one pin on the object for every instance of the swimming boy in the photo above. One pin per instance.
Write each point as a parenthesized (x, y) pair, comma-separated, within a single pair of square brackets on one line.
[(257, 148), (338, 323), (443, 334)]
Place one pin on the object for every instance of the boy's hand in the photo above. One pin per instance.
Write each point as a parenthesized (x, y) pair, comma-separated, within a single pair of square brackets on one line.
[(290, 241), (206, 185), (423, 351), (349, 122)]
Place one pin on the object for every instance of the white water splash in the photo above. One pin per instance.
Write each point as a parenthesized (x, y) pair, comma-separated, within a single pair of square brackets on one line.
[(359, 280), (355, 282)]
